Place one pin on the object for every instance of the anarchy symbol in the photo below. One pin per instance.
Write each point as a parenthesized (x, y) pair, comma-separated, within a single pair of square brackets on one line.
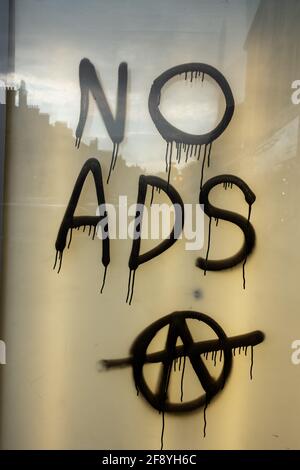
[(178, 328)]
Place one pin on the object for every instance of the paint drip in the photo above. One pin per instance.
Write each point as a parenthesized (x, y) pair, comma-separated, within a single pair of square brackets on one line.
[(245, 260), (182, 377), (130, 287), (202, 167), (152, 195), (58, 257), (190, 150), (251, 364), (205, 418), (113, 161), (208, 245), (164, 397)]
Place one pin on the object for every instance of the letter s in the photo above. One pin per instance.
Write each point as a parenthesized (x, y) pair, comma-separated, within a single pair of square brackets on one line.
[(237, 219)]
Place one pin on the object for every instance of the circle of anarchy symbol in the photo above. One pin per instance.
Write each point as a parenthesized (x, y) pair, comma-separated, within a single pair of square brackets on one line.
[(178, 328)]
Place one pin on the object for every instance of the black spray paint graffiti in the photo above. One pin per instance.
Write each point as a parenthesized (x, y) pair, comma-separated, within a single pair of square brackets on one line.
[(203, 263), (89, 82), (196, 352), (136, 259), (71, 222), (190, 352), (191, 144), (244, 224)]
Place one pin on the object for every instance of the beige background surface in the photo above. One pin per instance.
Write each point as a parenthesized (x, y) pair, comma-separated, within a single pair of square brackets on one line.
[(57, 327)]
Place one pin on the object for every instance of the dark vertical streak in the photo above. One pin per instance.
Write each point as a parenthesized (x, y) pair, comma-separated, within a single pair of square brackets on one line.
[(129, 284), (208, 157), (103, 282), (245, 260), (162, 431), (182, 376), (116, 156), (56, 255), (152, 195), (163, 412), (132, 287), (71, 230), (191, 152), (166, 156), (202, 168), (204, 416), (208, 245), (199, 152), (60, 261), (111, 163), (187, 153), (251, 365), (170, 162)]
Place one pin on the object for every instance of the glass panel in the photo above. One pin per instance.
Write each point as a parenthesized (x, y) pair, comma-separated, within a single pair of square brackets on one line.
[(57, 328)]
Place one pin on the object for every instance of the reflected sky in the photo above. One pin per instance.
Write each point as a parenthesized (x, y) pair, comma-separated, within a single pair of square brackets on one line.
[(53, 36)]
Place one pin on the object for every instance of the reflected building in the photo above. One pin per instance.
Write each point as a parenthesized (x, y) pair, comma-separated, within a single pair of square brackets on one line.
[(270, 124), (43, 159), (271, 115)]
